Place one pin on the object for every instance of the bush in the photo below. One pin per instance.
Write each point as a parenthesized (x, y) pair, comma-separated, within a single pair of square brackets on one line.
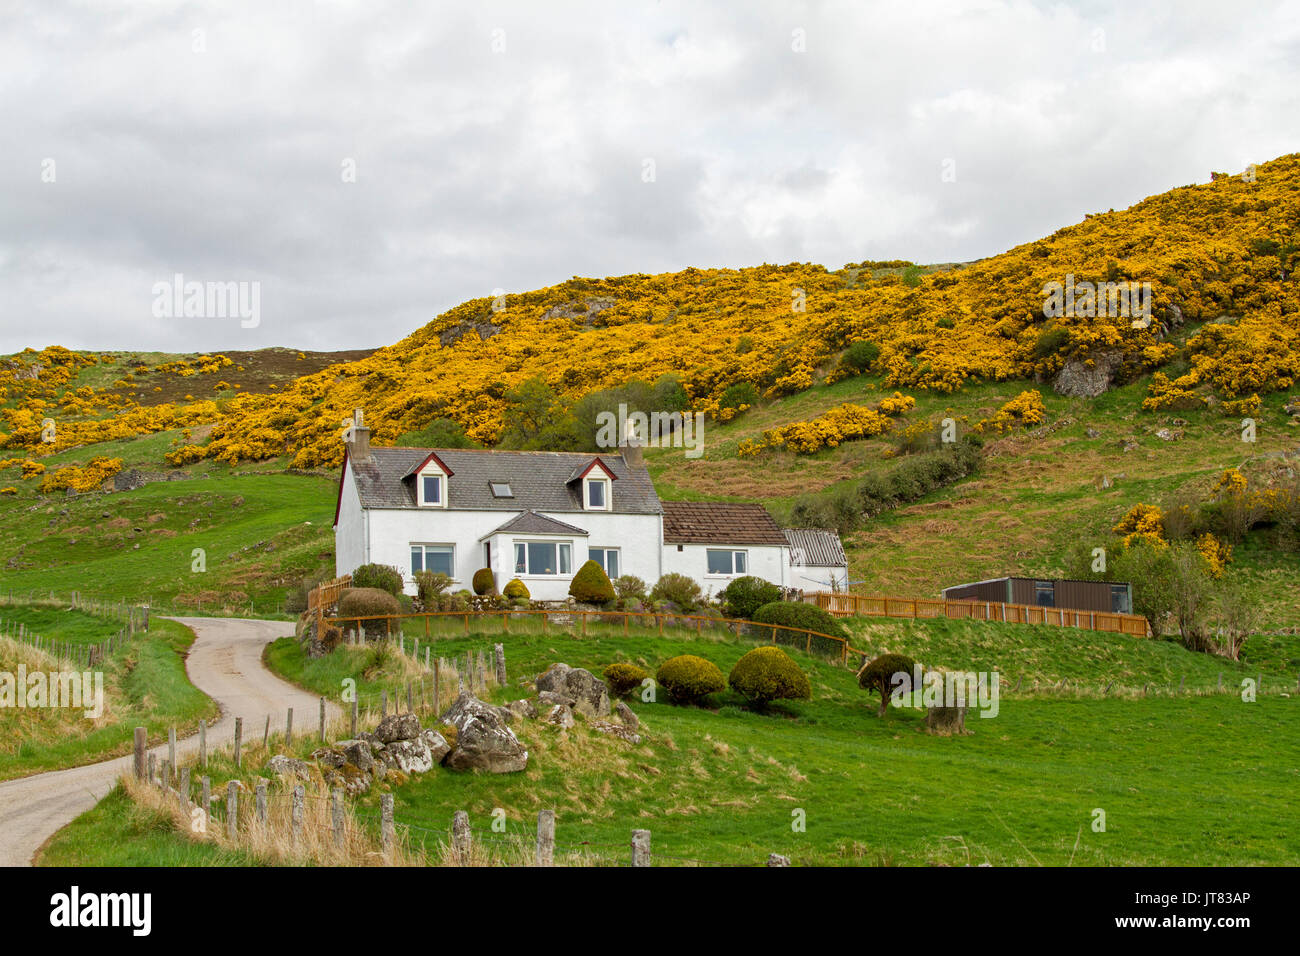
[(680, 590), (878, 676), (591, 585), (382, 576), (859, 357), (484, 582), (624, 678), (689, 679), (738, 396), (630, 588), (367, 602), (515, 590), (431, 585), (766, 674), (797, 614), (743, 596)]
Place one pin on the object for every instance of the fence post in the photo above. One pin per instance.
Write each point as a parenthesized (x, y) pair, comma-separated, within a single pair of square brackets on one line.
[(288, 728), (353, 732), (261, 800), (203, 748), (205, 789), (461, 838), (140, 746), (152, 765), (232, 808), (546, 838), (171, 753), (437, 684), (185, 789), (239, 737), (322, 720), (383, 704), (410, 700), (386, 822), (296, 813), (640, 847), (500, 651), (336, 816)]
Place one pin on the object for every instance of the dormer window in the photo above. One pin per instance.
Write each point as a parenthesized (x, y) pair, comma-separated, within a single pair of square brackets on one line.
[(433, 488), (597, 494)]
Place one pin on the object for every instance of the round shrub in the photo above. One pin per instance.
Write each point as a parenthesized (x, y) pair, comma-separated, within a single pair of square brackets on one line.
[(738, 396), (679, 589), (382, 576), (368, 602), (515, 590), (431, 586), (591, 585), (624, 678), (797, 614), (484, 582), (860, 356), (743, 596), (767, 674), (630, 588), (689, 679), (878, 676)]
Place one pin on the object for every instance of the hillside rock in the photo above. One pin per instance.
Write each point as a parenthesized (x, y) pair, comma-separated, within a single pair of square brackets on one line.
[(589, 693), (409, 756), (620, 731), (438, 746), (283, 766), (396, 727), (561, 715), (484, 741), (522, 708), (1089, 376), (629, 719)]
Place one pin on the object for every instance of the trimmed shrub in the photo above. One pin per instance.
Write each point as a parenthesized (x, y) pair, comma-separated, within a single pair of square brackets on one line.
[(484, 582), (679, 589), (630, 588), (689, 679), (743, 596), (591, 585), (515, 590), (766, 674), (797, 614), (382, 576), (878, 676), (430, 586), (624, 678), (366, 602)]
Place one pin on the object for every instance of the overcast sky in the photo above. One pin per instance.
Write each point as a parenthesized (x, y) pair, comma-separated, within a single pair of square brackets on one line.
[(372, 164)]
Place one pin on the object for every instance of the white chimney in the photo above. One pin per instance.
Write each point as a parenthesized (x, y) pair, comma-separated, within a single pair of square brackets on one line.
[(630, 446), (359, 443)]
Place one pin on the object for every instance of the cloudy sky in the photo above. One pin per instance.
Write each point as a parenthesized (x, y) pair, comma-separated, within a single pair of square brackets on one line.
[(371, 164)]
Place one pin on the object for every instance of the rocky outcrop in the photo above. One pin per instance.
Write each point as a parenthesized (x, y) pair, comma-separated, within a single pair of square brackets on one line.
[(1089, 376), (283, 766), (628, 718), (397, 727), (585, 689), (484, 740)]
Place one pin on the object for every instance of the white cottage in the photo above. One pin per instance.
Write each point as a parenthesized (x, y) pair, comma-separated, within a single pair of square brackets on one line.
[(539, 516)]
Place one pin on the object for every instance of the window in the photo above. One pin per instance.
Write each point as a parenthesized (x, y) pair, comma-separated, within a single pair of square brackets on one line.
[(727, 562), (434, 557), (598, 494), (1045, 594), (501, 489), (1119, 602), (487, 554), (607, 558), (431, 490), (543, 557)]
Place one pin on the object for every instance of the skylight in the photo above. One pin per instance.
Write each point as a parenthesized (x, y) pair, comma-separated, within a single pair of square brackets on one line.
[(501, 489)]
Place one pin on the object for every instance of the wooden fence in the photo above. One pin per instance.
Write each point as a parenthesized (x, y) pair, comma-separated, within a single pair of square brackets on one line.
[(809, 640), (324, 595), (844, 605)]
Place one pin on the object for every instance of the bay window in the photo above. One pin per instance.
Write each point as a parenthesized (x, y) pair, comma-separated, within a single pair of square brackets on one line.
[(543, 557)]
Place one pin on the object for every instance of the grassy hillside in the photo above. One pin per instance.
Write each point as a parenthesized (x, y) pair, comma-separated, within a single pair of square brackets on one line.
[(1183, 779)]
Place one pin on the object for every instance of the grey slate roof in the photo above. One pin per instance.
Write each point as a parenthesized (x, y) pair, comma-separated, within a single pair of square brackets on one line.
[(813, 547), (539, 480), (719, 522), (530, 522)]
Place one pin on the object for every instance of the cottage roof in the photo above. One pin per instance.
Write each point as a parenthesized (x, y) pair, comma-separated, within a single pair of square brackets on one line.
[(719, 522)]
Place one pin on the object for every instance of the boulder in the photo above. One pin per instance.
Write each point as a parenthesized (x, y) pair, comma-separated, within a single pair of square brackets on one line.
[(352, 780), (620, 731), (398, 727), (548, 699), (484, 740), (283, 766), (359, 753), (1089, 376), (409, 756), (561, 715), (946, 721), (522, 708), (329, 757), (438, 746), (628, 718), (590, 695)]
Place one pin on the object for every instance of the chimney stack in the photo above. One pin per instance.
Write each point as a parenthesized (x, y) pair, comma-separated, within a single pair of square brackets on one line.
[(630, 446), (359, 446)]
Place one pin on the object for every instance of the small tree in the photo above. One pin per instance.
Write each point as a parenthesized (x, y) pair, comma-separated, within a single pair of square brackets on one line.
[(430, 586), (745, 595), (629, 588), (382, 576), (766, 674), (880, 676), (591, 585), (680, 589)]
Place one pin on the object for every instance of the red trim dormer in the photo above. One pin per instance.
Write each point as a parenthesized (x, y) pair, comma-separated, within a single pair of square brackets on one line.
[(433, 456), (594, 463)]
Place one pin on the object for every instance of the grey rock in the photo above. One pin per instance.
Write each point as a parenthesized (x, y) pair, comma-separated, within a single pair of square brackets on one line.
[(522, 708), (283, 766), (590, 695), (561, 715), (438, 746), (1089, 376), (398, 727), (629, 719), (358, 753), (409, 756), (484, 741), (615, 730)]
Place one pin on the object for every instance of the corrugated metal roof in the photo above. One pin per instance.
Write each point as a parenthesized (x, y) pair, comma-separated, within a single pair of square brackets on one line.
[(539, 480), (815, 547), (719, 522)]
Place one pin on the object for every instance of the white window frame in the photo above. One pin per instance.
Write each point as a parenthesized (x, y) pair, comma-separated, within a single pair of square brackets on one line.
[(586, 494), (442, 488), (733, 573), (604, 564), (529, 572), (424, 554)]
